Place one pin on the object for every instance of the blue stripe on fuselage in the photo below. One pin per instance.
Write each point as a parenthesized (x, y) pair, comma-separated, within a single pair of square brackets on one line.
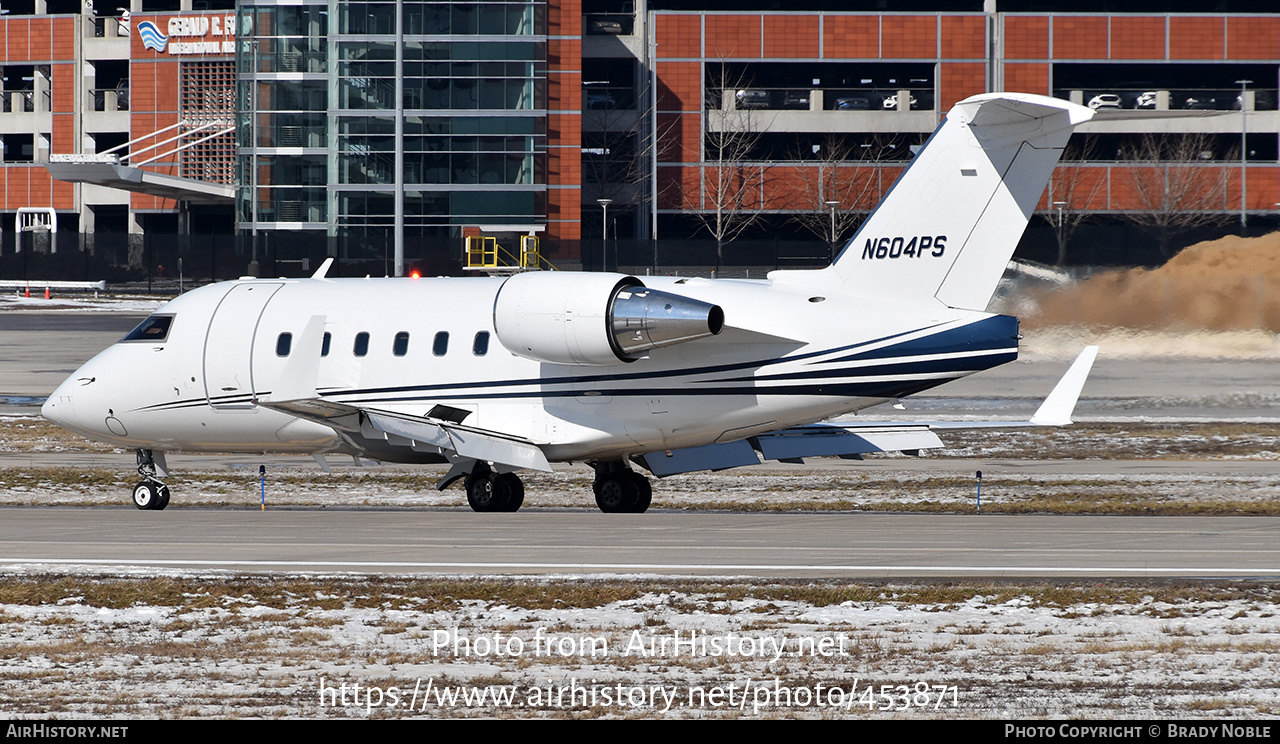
[(989, 334)]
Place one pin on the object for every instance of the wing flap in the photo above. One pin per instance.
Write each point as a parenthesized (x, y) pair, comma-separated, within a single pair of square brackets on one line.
[(465, 442), (416, 433), (707, 457), (832, 440)]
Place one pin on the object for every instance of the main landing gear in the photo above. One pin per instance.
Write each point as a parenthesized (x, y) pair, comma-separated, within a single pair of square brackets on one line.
[(621, 490), (488, 491), (151, 492), (618, 489)]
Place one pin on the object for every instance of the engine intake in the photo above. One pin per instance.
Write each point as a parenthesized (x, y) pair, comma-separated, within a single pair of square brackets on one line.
[(595, 319)]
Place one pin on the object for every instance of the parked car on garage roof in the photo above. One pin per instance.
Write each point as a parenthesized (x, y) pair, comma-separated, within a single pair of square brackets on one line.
[(1105, 101)]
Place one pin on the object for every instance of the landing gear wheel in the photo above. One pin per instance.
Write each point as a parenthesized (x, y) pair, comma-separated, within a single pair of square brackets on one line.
[(487, 492), (480, 492), (150, 493), (645, 492), (617, 492), (514, 487), (145, 495), (162, 497)]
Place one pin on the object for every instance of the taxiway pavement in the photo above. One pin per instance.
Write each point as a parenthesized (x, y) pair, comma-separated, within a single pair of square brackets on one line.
[(572, 542)]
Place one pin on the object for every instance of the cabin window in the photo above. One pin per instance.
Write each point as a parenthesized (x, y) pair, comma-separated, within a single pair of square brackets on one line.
[(480, 346), (155, 328), (324, 345), (401, 345), (440, 346), (362, 344), (284, 343)]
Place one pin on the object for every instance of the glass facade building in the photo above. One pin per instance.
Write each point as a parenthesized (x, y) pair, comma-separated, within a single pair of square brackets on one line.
[(368, 119)]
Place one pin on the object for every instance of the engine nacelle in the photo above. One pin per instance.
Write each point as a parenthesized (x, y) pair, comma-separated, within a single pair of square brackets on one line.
[(595, 319)]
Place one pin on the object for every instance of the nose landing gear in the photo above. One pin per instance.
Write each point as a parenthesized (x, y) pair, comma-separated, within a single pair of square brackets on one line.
[(150, 493)]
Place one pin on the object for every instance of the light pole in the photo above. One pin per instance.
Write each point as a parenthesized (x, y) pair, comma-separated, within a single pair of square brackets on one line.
[(831, 205), (604, 233), (1058, 205), (253, 158), (1244, 154)]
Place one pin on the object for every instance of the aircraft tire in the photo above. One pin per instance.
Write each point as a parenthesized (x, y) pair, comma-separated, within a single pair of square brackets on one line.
[(616, 493), (644, 495), (488, 493), (514, 487), (144, 495), (162, 497)]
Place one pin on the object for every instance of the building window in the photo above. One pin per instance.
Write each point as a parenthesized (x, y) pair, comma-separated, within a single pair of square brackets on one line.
[(207, 96)]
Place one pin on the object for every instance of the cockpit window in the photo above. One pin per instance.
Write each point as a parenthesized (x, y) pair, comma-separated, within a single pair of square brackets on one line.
[(155, 328)]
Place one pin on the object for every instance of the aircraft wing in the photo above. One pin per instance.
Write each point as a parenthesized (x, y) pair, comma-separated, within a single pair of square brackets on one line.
[(440, 432), (418, 433), (852, 440)]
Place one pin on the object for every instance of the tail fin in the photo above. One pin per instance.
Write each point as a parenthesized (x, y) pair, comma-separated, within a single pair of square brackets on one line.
[(952, 220)]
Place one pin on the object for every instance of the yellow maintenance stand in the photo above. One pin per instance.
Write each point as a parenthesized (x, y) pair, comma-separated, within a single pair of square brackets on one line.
[(484, 253)]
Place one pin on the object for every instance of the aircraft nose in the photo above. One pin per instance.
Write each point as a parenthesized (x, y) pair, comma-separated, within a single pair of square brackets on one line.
[(74, 405), (60, 406)]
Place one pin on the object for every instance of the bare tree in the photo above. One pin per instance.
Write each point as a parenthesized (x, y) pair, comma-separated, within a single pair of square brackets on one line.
[(848, 171), (730, 185), (1072, 191), (1176, 189), (618, 149)]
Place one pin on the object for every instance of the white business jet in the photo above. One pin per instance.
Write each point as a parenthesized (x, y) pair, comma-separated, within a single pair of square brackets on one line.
[(495, 375)]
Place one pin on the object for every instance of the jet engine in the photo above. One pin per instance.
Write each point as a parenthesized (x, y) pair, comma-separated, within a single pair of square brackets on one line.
[(595, 319)]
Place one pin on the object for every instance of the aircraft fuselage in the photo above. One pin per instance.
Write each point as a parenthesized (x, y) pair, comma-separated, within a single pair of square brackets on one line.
[(787, 356)]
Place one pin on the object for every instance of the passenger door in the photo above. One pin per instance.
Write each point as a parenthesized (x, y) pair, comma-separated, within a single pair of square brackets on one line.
[(228, 347)]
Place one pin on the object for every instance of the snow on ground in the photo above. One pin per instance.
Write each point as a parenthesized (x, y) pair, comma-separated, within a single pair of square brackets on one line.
[(80, 303), (346, 647)]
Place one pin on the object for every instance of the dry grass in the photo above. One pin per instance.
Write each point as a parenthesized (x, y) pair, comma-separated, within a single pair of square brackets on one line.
[(748, 490), (1089, 440), (292, 598)]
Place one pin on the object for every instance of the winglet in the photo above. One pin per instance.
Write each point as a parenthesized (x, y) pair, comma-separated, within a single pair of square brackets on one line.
[(298, 381), (324, 269), (1057, 408)]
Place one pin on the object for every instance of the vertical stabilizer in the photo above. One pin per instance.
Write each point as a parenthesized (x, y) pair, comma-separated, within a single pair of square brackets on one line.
[(949, 225)]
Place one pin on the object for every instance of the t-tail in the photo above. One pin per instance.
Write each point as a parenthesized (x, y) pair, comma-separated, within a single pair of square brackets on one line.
[(950, 224)]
